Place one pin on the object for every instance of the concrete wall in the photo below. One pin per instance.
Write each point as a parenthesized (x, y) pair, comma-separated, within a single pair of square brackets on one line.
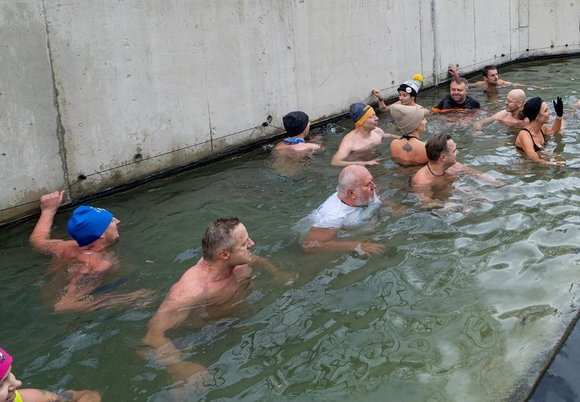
[(117, 90)]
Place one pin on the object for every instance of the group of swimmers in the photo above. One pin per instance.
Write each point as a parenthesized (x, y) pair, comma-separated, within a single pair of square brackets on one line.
[(220, 281)]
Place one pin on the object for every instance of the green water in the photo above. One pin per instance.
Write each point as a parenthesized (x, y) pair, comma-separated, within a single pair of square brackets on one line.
[(465, 303)]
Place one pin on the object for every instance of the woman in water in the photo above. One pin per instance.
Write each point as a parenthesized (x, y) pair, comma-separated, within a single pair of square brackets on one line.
[(531, 139), (9, 385)]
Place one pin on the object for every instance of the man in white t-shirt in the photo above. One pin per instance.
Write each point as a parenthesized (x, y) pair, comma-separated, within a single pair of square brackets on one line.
[(354, 202)]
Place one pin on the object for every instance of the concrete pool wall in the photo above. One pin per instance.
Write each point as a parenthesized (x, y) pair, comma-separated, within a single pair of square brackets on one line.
[(97, 94)]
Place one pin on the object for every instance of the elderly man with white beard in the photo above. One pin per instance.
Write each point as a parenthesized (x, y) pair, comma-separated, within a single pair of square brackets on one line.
[(355, 202)]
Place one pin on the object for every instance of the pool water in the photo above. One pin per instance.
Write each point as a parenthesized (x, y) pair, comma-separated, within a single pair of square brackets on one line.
[(466, 302)]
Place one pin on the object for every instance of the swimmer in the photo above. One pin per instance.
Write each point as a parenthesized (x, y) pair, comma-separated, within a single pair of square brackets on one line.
[(354, 202), (458, 99), (216, 286), (492, 81), (436, 177), (531, 139), (10, 392), (297, 126), (408, 91), (357, 147), (84, 260), (512, 115), (409, 150)]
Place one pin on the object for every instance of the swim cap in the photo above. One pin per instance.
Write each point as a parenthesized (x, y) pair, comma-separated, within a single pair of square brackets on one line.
[(412, 86), (295, 122), (87, 224), (360, 112), (5, 363), (532, 108), (407, 118)]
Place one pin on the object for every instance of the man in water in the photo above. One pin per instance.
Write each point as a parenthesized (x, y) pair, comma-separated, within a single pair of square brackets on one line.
[(83, 260), (512, 115), (491, 79), (358, 146), (354, 202), (458, 99), (291, 154), (433, 181), (297, 126), (10, 388), (216, 286)]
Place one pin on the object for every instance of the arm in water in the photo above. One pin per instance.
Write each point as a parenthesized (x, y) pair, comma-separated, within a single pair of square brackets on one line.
[(324, 239)]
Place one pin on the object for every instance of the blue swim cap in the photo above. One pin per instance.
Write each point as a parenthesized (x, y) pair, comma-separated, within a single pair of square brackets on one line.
[(87, 224)]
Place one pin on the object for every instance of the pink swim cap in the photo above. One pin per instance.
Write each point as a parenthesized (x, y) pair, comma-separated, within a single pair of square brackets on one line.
[(5, 363)]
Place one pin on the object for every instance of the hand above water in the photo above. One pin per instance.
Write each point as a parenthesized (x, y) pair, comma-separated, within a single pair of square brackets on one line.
[(51, 201), (558, 106)]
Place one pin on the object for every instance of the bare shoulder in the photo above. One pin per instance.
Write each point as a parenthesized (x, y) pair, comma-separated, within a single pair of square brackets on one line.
[(420, 178)]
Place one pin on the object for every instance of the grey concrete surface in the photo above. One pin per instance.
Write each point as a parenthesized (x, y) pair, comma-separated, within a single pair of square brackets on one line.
[(118, 90)]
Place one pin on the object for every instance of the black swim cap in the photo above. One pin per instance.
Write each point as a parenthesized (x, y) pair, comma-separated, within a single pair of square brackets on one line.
[(532, 108)]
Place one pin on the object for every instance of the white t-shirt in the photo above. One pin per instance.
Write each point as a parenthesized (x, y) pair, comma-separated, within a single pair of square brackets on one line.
[(335, 214)]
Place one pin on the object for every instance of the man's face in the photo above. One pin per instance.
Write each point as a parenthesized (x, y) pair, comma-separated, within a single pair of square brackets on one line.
[(241, 252), (405, 98), (451, 153), (458, 92), (511, 104), (371, 123), (111, 235), (492, 77), (365, 192)]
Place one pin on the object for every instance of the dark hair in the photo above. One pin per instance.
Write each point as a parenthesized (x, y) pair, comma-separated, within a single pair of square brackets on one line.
[(459, 80), (487, 68), (437, 145), (218, 237)]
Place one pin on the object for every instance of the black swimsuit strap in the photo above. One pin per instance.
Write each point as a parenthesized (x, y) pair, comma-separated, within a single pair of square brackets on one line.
[(407, 137), (536, 146)]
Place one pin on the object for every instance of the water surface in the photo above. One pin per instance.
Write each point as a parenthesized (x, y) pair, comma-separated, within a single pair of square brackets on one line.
[(465, 303)]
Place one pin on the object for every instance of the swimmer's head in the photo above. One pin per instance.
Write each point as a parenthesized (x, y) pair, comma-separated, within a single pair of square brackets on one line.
[(411, 86), (295, 123), (218, 237), (532, 108), (407, 118), (360, 112), (87, 224), (5, 363)]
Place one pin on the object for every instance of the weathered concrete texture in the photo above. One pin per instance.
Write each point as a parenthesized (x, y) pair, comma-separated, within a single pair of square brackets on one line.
[(143, 86), (29, 150)]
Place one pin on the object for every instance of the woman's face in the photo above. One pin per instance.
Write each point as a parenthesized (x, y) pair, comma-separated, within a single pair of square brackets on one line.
[(544, 115), (8, 387)]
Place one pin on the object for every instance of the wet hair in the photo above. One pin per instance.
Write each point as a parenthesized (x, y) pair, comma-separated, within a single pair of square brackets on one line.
[(487, 68), (218, 236), (436, 146), (459, 80), (348, 179)]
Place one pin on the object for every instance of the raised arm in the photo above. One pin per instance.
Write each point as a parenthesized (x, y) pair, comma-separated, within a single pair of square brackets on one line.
[(557, 125), (382, 105), (40, 237), (323, 239)]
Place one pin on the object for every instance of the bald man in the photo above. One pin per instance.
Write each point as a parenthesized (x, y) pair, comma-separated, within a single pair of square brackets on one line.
[(512, 115)]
